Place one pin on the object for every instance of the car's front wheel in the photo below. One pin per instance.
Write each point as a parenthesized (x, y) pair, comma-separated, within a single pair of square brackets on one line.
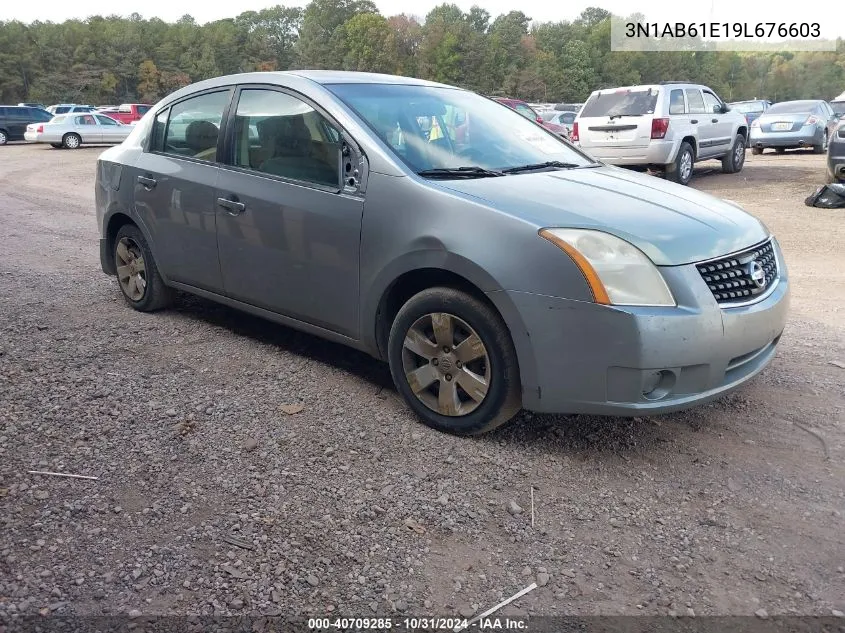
[(137, 273), (4, 138), (680, 171), (734, 160), (756, 151), (72, 141), (453, 361)]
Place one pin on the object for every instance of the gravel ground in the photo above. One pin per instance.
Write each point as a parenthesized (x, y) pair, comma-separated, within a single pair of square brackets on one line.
[(243, 467)]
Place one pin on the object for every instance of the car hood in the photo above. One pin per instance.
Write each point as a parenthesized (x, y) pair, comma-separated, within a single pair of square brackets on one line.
[(670, 223)]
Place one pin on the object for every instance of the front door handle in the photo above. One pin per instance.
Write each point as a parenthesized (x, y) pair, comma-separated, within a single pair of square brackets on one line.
[(694, 121), (232, 207), (714, 120), (147, 182)]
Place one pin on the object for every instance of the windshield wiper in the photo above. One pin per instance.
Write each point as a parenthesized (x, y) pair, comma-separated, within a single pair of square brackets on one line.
[(533, 166), (619, 116), (470, 171)]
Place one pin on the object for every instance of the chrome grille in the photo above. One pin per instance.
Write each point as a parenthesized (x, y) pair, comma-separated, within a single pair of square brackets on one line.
[(742, 277)]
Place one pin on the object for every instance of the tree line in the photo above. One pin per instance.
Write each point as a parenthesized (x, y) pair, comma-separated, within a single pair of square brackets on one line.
[(106, 60)]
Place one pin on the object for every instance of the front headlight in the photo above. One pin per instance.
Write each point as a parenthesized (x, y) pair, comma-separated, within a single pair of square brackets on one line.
[(617, 272)]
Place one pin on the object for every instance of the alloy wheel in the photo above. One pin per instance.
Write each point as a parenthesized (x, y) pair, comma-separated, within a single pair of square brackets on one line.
[(739, 154), (686, 166), (131, 270), (446, 364)]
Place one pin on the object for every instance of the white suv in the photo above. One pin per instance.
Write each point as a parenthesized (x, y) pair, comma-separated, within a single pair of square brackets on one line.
[(669, 126)]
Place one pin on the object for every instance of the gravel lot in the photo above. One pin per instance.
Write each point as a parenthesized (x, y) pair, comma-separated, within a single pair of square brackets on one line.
[(244, 467)]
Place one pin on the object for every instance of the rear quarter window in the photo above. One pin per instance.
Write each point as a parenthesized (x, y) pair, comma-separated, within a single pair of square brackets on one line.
[(627, 103)]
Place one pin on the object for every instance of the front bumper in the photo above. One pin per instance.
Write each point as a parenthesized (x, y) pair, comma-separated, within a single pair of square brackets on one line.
[(598, 359), (808, 136), (657, 152)]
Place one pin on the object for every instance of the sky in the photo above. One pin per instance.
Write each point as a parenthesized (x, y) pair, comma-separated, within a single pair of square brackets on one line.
[(749, 11)]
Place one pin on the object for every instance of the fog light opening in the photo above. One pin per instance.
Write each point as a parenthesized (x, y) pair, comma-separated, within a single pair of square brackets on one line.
[(658, 384)]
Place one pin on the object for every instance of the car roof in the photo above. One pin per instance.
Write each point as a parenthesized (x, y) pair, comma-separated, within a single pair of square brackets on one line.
[(354, 77), (807, 102)]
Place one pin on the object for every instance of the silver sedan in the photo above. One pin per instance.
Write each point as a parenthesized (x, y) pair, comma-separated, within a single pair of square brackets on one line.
[(73, 130)]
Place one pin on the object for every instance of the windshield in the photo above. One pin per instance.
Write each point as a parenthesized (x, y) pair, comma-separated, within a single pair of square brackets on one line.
[(798, 107), (838, 106), (445, 128), (747, 107), (621, 103)]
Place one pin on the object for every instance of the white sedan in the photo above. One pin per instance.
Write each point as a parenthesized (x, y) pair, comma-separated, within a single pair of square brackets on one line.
[(73, 130)]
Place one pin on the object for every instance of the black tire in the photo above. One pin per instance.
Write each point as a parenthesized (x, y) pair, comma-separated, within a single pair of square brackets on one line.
[(502, 399), (4, 137), (756, 151), (680, 171), (734, 160), (156, 295), (71, 141), (821, 149), (780, 150), (57, 145)]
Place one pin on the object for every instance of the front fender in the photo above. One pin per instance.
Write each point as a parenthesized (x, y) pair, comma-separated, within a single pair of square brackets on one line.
[(448, 262)]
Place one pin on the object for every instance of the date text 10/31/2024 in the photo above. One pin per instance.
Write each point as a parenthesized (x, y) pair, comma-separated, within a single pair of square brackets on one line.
[(417, 624), (722, 30)]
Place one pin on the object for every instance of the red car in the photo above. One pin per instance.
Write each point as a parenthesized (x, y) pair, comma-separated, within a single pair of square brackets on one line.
[(127, 113), (527, 111)]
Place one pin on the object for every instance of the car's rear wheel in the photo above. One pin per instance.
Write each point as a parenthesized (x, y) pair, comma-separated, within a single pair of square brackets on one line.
[(681, 170), (137, 273), (734, 160), (821, 149), (756, 151), (780, 150), (72, 141), (4, 137), (453, 361)]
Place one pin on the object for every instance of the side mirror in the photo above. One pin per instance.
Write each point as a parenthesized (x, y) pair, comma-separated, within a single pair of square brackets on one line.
[(720, 109)]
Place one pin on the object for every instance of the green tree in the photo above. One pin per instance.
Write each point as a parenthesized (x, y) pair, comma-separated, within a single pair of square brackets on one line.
[(148, 81), (366, 42), (321, 18)]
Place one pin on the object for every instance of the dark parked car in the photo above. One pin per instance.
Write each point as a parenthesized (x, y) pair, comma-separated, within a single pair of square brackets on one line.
[(836, 155), (40, 106), (752, 109), (14, 119), (503, 270)]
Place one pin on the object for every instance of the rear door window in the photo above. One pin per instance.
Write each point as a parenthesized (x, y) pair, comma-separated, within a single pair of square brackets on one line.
[(194, 126), (620, 103), (676, 102), (695, 101)]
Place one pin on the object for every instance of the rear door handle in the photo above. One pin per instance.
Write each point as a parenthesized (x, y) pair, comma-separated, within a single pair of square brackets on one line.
[(694, 121), (232, 207), (714, 120), (148, 183)]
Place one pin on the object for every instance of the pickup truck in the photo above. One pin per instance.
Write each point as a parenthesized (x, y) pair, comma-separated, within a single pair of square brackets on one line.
[(128, 112)]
